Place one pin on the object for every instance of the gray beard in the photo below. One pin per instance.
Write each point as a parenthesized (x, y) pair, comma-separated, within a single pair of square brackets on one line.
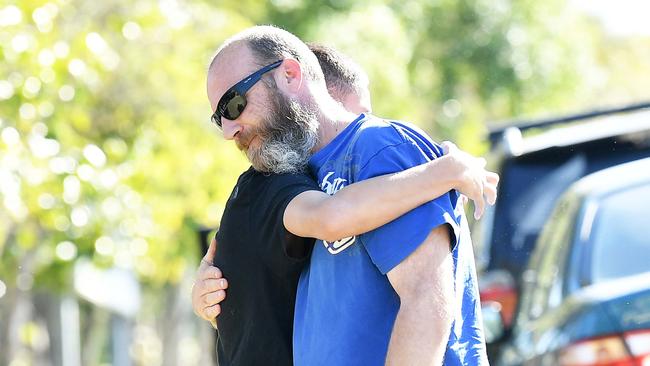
[(288, 135)]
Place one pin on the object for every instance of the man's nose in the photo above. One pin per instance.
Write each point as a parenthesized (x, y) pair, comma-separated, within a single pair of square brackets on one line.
[(230, 128)]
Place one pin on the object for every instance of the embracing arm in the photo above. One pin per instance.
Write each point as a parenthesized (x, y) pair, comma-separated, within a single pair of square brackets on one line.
[(369, 204), (424, 283)]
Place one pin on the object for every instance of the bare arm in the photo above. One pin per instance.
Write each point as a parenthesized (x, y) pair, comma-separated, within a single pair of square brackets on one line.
[(424, 282), (367, 205)]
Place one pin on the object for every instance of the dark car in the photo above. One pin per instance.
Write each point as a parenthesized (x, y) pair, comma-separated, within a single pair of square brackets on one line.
[(537, 162), (586, 292)]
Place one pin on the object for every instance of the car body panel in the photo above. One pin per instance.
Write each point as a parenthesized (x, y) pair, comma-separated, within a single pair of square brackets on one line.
[(582, 310), (536, 166)]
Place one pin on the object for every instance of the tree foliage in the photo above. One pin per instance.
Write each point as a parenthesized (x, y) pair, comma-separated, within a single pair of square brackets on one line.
[(107, 152)]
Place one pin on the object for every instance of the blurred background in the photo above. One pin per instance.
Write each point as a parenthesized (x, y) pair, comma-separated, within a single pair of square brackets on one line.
[(110, 168)]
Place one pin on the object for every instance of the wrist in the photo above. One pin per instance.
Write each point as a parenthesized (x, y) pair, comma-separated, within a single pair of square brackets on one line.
[(453, 175)]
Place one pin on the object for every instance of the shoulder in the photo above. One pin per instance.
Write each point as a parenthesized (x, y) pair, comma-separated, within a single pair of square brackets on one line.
[(274, 192), (374, 137), (380, 132), (289, 178), (279, 183), (388, 137), (417, 135)]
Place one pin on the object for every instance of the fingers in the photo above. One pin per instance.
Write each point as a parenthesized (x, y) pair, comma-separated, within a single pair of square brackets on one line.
[(210, 291), (490, 187), (479, 205), (209, 272), (211, 285), (492, 178), (203, 299), (211, 308), (212, 249), (211, 312), (490, 193), (476, 182), (448, 146), (213, 298)]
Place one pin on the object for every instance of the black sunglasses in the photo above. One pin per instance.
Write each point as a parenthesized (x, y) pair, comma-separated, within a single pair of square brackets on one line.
[(232, 103)]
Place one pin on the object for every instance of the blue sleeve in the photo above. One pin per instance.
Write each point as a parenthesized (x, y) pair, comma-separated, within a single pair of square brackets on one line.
[(388, 245)]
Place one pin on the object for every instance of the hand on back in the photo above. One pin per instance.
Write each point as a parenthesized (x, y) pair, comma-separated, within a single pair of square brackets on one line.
[(209, 287), (474, 181)]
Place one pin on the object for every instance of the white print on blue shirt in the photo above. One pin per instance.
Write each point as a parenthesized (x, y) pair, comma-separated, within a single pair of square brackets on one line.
[(335, 247)]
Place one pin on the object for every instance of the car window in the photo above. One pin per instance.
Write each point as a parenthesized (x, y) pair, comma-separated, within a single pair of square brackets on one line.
[(619, 238), (543, 280)]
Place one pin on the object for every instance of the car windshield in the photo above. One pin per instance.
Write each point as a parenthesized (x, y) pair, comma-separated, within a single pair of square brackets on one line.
[(530, 189), (619, 237)]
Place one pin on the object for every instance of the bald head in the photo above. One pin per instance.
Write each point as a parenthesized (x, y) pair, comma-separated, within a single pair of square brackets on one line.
[(269, 44)]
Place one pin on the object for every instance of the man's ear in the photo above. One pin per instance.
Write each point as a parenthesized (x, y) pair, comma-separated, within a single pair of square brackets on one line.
[(288, 77)]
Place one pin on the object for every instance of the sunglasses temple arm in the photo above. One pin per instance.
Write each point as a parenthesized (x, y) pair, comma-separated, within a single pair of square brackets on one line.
[(258, 75)]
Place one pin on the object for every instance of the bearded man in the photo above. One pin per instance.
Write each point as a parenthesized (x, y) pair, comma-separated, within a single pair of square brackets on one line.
[(391, 295)]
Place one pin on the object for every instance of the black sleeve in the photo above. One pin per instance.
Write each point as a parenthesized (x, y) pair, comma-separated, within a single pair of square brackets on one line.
[(269, 214)]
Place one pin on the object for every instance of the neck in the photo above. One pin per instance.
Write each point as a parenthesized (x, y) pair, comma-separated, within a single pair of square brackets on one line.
[(333, 119)]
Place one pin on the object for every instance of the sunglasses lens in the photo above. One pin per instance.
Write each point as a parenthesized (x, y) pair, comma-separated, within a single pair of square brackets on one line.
[(235, 107)]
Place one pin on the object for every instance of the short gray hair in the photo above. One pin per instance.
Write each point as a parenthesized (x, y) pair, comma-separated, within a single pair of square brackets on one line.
[(342, 75)]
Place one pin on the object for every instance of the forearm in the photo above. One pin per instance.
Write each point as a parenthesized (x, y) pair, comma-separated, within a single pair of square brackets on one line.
[(369, 204), (420, 334)]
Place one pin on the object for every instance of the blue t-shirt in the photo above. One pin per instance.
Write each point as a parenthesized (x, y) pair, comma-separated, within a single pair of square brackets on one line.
[(346, 307)]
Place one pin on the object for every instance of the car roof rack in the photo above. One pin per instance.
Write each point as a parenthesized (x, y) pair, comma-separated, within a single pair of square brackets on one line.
[(496, 134)]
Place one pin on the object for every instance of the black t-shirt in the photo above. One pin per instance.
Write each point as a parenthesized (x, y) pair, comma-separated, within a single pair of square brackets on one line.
[(262, 262)]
